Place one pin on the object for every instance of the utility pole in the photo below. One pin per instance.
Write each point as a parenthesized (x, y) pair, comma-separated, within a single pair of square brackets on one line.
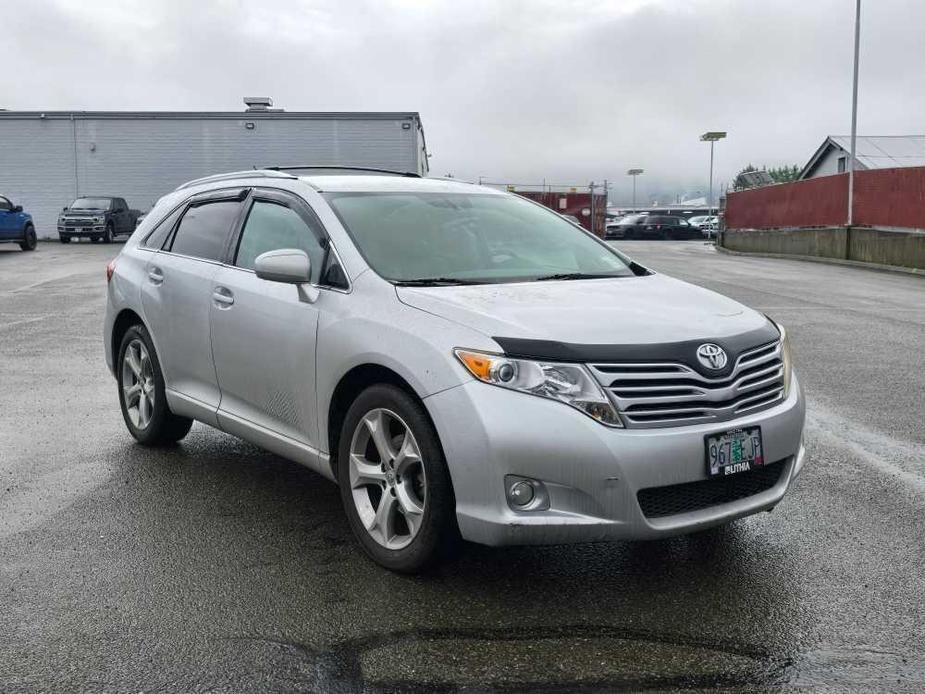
[(854, 112)]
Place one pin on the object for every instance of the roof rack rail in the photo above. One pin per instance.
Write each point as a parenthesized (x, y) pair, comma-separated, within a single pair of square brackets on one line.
[(248, 173), (337, 167)]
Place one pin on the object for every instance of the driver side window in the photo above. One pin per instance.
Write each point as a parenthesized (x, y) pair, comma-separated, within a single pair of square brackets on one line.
[(271, 226), (5, 204)]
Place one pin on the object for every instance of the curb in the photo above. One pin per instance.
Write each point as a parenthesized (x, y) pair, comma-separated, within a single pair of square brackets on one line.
[(917, 272)]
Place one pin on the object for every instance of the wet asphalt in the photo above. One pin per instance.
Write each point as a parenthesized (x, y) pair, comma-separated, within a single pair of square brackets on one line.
[(215, 567)]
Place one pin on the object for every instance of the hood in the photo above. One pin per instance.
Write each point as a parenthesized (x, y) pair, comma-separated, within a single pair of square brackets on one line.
[(650, 309)]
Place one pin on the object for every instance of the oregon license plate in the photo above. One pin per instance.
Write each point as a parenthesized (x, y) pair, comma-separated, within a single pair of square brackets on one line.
[(738, 450)]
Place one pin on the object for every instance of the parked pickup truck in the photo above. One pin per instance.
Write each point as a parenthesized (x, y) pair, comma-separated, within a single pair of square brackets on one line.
[(99, 218), (15, 225)]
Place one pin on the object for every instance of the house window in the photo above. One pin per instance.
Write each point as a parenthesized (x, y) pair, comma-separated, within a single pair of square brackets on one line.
[(842, 164)]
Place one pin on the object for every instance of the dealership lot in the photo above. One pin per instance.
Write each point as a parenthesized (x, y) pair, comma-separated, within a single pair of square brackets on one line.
[(217, 567)]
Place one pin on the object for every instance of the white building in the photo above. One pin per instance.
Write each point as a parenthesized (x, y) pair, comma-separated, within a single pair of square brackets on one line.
[(873, 152), (48, 158)]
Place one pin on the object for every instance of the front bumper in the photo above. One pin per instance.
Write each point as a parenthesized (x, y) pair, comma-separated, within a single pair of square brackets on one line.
[(65, 230), (592, 473)]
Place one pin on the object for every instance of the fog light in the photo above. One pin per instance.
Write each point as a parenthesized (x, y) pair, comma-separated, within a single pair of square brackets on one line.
[(525, 494), (521, 493)]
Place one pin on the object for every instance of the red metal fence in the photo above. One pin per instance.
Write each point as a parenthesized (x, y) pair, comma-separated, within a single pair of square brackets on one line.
[(882, 197), (576, 204)]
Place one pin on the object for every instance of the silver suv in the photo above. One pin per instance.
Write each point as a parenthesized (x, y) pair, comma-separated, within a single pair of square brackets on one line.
[(461, 361)]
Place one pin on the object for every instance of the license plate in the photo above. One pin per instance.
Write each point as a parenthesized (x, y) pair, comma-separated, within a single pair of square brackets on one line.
[(738, 450)]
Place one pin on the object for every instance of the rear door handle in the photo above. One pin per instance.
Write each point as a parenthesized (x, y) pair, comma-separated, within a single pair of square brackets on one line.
[(222, 297), (155, 275)]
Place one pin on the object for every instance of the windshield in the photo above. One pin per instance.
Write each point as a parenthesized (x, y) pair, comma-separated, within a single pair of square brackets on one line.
[(470, 237), (90, 204)]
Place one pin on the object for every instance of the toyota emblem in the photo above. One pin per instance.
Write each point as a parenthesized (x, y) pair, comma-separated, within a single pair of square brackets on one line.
[(712, 356)]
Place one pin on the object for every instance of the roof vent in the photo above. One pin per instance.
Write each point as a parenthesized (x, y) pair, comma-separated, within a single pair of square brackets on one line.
[(258, 103)]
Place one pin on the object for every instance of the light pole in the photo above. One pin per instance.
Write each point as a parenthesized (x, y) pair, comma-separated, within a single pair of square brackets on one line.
[(854, 112), (711, 137), (634, 173)]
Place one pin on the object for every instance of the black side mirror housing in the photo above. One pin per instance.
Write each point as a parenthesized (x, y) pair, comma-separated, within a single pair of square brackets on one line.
[(17, 208)]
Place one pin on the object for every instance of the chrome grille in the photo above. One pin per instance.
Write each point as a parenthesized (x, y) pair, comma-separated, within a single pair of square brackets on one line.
[(672, 394)]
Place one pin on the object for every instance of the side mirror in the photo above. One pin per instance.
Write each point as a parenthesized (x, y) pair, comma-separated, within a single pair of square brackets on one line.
[(17, 208), (289, 266), (64, 209)]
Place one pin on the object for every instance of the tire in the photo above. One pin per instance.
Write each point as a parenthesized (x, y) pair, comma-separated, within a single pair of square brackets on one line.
[(29, 240), (155, 425), (95, 238), (108, 234), (422, 482), (64, 238)]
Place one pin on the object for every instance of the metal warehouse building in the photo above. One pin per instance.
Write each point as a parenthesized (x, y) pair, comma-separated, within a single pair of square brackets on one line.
[(49, 158)]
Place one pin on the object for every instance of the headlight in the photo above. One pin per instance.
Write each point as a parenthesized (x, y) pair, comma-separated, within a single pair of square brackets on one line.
[(785, 358), (97, 220), (567, 383)]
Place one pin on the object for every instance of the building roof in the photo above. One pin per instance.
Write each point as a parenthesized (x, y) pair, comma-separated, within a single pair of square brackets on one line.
[(210, 115), (874, 151)]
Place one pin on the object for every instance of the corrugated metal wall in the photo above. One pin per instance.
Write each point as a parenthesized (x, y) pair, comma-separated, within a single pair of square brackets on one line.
[(882, 197), (142, 158), (575, 204)]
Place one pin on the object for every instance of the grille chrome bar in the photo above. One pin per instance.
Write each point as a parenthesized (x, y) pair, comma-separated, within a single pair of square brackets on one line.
[(664, 394)]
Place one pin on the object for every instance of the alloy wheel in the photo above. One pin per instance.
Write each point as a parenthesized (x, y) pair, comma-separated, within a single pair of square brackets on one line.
[(138, 384), (387, 478)]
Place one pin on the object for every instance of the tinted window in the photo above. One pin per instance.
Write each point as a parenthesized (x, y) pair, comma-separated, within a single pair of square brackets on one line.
[(157, 237), (271, 226), (633, 219), (204, 229)]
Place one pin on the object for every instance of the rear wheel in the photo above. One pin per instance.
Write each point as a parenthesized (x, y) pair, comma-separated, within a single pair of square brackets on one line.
[(142, 393), (29, 240), (394, 482)]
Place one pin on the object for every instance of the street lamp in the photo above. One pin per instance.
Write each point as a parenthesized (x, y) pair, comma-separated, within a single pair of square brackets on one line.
[(634, 173), (711, 137), (854, 112)]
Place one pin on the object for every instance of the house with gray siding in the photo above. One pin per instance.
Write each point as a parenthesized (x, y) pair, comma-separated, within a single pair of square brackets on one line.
[(48, 158), (873, 152)]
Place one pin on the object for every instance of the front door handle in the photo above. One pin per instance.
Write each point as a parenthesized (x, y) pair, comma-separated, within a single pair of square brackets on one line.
[(155, 275), (222, 297)]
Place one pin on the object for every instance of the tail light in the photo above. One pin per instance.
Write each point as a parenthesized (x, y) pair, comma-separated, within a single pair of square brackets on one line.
[(110, 268)]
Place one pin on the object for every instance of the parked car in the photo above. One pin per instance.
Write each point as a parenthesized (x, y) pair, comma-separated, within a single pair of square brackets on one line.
[(650, 226), (98, 218), (16, 226), (708, 224), (461, 361)]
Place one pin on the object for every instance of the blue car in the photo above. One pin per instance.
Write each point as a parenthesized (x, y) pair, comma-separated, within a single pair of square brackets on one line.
[(16, 226)]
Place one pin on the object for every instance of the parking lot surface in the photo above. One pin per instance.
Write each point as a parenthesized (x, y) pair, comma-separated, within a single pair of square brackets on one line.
[(213, 566)]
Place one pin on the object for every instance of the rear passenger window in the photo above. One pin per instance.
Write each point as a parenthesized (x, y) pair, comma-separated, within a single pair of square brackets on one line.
[(204, 229), (157, 237), (271, 226)]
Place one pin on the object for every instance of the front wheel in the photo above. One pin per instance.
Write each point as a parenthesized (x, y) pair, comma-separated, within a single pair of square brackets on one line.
[(142, 394), (29, 239), (394, 481), (64, 238), (108, 235)]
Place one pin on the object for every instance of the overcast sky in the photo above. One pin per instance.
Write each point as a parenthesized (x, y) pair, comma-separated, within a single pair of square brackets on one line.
[(511, 90)]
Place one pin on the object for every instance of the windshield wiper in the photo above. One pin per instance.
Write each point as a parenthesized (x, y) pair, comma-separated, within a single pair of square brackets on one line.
[(573, 276), (435, 282)]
